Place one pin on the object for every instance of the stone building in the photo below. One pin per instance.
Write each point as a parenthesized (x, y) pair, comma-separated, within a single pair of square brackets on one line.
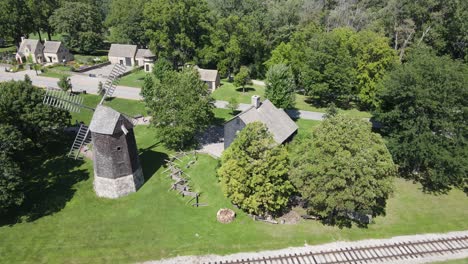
[(279, 124), (49, 52), (131, 56), (117, 169), (210, 77), (55, 52)]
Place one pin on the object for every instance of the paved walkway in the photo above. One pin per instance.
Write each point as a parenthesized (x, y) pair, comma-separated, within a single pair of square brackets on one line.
[(342, 245), (90, 84)]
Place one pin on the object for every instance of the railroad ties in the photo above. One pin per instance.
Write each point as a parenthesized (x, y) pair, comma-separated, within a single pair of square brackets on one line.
[(389, 252)]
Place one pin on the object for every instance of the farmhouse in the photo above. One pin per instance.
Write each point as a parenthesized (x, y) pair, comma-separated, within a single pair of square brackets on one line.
[(49, 52), (276, 120), (210, 77), (131, 56)]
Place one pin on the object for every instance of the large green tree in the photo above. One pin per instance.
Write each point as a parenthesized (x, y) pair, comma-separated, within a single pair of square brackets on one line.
[(254, 173), (41, 10), (181, 107), (342, 170), (125, 22), (280, 87), (15, 20), (176, 29), (80, 25), (423, 112), (29, 132)]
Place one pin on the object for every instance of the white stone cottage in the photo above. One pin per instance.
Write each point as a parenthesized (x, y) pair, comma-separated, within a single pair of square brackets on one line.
[(210, 77), (49, 52), (131, 56)]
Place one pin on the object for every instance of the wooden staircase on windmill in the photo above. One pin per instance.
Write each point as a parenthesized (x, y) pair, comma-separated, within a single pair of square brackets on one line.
[(82, 139)]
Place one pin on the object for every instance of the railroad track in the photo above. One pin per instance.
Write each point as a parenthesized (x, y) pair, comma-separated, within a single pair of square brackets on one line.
[(367, 254)]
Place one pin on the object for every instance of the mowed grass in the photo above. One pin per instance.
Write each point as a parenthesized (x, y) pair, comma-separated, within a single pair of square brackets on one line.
[(125, 106), (227, 91), (53, 74), (134, 79), (156, 223)]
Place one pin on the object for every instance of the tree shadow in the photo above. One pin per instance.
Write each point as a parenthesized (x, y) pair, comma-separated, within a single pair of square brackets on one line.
[(246, 89), (151, 161), (50, 188)]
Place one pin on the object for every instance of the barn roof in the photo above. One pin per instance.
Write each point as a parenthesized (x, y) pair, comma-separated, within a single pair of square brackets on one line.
[(276, 120), (31, 44), (208, 75), (105, 120), (144, 53), (122, 50), (52, 46)]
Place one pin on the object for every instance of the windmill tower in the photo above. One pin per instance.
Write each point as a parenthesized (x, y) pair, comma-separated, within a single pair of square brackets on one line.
[(117, 169)]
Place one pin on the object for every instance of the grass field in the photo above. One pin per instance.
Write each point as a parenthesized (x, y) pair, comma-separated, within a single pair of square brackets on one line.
[(156, 223), (53, 74), (227, 91), (134, 79), (9, 49), (129, 107)]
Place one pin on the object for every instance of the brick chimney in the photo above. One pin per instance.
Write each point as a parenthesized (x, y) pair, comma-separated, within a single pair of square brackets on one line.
[(256, 101)]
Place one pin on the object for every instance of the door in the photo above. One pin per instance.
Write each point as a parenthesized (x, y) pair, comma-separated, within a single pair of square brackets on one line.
[(147, 68), (121, 62), (128, 61)]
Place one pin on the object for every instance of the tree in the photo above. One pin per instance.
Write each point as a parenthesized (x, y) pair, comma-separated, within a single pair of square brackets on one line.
[(65, 84), (176, 29), (343, 169), (14, 20), (181, 107), (233, 104), (80, 25), (40, 11), (423, 115), (331, 111), (242, 78), (253, 174), (101, 91), (125, 22), (160, 68), (280, 87)]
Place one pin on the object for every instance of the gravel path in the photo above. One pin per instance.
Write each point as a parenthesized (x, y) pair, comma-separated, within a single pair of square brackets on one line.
[(329, 246)]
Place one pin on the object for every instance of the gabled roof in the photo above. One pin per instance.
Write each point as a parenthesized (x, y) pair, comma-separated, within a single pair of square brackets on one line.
[(122, 50), (31, 44), (108, 121), (52, 46), (207, 75), (144, 53), (276, 120)]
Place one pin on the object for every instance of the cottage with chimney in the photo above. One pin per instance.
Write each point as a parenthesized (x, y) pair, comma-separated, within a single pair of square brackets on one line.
[(49, 52), (131, 56), (280, 125)]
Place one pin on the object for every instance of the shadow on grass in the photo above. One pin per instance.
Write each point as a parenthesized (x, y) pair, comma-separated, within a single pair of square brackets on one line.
[(246, 89), (151, 161), (49, 188)]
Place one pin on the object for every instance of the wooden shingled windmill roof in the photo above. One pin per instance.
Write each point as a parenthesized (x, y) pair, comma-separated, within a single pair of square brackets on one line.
[(107, 121)]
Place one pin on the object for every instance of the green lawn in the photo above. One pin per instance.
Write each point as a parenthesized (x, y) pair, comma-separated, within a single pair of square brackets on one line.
[(55, 37), (53, 74), (227, 91), (134, 79), (156, 223), (129, 107), (9, 49)]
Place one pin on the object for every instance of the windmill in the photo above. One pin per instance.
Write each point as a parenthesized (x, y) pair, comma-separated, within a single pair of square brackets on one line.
[(117, 169)]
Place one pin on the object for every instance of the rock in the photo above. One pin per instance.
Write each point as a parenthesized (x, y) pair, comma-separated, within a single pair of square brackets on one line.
[(225, 215)]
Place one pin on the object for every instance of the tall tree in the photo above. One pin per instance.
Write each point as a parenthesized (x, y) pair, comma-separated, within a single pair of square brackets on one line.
[(80, 25), (181, 105), (342, 170), (253, 174), (41, 10), (280, 87), (242, 78), (125, 22), (424, 105), (15, 20), (176, 29)]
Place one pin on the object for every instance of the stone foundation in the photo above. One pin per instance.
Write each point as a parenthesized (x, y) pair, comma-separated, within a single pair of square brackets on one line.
[(115, 188)]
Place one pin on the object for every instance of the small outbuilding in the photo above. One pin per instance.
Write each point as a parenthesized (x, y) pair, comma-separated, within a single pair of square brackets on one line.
[(210, 77), (55, 52), (279, 124), (145, 58), (123, 54)]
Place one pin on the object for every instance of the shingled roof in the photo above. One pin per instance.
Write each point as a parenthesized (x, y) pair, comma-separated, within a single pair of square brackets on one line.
[(144, 53), (122, 50), (108, 121), (52, 46), (31, 44), (207, 75), (276, 120)]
